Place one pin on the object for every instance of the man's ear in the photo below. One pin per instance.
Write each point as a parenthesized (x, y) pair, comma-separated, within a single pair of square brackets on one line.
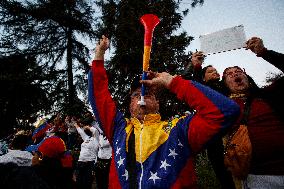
[(130, 107), (158, 105)]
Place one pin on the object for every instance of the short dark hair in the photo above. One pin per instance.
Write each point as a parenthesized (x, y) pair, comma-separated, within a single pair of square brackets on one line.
[(135, 83), (203, 71), (224, 72), (88, 132), (19, 142), (87, 120)]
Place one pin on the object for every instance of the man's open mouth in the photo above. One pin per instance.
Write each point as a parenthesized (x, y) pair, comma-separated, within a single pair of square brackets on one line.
[(238, 79)]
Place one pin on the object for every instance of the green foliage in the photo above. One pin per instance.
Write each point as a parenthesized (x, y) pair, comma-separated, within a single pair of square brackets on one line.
[(22, 96), (53, 31), (205, 173), (271, 77), (120, 22)]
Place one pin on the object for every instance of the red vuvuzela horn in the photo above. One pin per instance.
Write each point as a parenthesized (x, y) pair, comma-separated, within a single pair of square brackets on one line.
[(149, 21)]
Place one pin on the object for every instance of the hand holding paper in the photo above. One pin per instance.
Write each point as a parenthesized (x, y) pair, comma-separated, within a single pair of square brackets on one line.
[(255, 44), (197, 58)]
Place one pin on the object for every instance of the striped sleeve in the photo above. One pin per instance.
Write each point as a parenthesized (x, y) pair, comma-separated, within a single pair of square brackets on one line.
[(100, 98), (214, 111)]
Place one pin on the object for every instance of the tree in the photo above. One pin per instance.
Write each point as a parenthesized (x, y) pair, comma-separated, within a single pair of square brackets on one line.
[(271, 77), (120, 22), (22, 96), (53, 31)]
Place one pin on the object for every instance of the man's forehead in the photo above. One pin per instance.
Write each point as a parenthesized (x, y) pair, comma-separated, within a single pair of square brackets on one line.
[(210, 69), (137, 90), (148, 92), (148, 89), (233, 68)]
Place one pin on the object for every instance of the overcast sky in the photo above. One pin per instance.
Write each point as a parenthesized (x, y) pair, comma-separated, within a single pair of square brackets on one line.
[(261, 18)]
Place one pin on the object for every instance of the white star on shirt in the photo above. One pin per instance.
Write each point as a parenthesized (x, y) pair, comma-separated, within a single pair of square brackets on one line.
[(120, 162), (179, 143), (154, 176), (117, 151), (173, 153), (164, 164), (125, 174)]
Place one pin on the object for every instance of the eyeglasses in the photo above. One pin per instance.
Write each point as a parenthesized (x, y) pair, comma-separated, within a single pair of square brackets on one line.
[(231, 73)]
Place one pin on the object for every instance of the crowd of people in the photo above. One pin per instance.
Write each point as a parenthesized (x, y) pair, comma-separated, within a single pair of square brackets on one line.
[(61, 152), (144, 151), (261, 109)]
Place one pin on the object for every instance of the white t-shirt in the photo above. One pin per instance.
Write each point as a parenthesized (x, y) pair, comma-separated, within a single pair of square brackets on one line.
[(19, 157), (105, 151), (90, 146)]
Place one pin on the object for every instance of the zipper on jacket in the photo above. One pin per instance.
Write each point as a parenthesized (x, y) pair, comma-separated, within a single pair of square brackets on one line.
[(140, 157)]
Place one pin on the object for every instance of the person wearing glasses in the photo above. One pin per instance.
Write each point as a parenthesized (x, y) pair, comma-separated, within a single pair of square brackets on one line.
[(265, 121)]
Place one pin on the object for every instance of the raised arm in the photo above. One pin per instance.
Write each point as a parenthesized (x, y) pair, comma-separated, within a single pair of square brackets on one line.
[(95, 132), (81, 132), (213, 110), (256, 45), (99, 96), (196, 61), (194, 68)]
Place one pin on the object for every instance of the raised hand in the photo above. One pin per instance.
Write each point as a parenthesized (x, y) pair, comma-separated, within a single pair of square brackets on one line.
[(255, 44), (158, 79), (197, 58), (101, 47)]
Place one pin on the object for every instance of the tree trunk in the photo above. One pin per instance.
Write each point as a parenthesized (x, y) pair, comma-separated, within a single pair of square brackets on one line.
[(71, 87)]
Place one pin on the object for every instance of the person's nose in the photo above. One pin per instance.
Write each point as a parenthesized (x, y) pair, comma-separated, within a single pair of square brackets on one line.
[(238, 73), (215, 72)]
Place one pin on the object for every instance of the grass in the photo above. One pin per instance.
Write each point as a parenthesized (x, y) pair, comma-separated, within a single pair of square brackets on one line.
[(205, 172)]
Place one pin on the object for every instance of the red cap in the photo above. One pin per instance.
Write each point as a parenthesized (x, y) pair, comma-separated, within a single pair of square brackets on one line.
[(52, 147)]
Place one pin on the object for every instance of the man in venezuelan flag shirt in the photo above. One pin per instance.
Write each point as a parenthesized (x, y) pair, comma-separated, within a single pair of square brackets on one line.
[(149, 152)]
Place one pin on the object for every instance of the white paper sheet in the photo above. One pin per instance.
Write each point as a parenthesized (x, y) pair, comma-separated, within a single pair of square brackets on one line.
[(223, 40)]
